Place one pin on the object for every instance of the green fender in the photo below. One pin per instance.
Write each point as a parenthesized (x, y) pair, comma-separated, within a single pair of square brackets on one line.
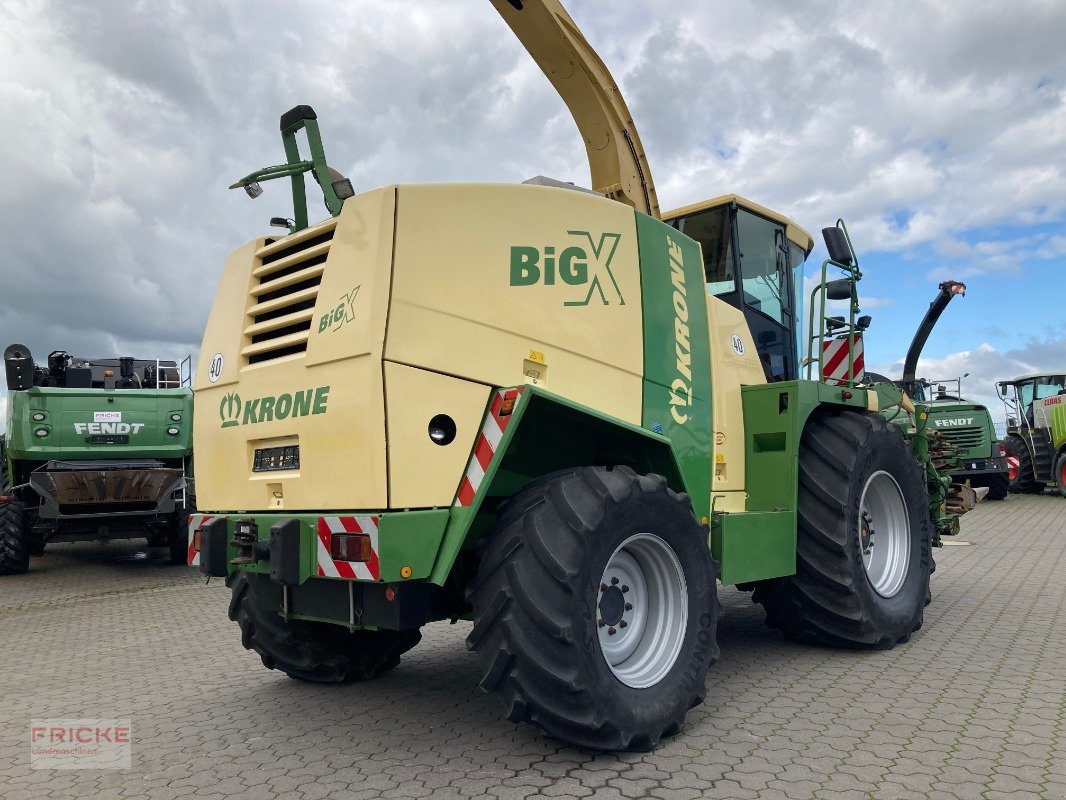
[(545, 433)]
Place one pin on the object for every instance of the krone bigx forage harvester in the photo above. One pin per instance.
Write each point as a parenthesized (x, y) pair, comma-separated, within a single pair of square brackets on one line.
[(554, 412)]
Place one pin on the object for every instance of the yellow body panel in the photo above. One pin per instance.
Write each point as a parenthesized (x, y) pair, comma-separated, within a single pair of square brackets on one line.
[(730, 369), (455, 311), (334, 412), (421, 472)]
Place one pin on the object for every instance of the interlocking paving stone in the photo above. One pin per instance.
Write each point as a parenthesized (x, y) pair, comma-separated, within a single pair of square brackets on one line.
[(973, 706)]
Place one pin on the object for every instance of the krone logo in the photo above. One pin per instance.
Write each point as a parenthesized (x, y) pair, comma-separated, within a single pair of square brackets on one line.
[(269, 408), (583, 262), (230, 410)]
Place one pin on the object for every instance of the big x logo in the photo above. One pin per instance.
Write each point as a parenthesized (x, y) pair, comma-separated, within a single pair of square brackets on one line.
[(584, 263)]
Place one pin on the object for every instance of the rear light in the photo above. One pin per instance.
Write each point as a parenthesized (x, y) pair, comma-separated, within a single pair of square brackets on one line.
[(509, 399), (351, 547), (196, 540), (1002, 449)]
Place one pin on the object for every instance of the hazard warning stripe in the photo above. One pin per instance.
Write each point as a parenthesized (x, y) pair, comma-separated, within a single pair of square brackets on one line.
[(488, 441), (328, 567), (835, 360), (196, 521)]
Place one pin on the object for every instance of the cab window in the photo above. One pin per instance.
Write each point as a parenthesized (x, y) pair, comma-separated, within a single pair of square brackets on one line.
[(764, 266), (712, 230)]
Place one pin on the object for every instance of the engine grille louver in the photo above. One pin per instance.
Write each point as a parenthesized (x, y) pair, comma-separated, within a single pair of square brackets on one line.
[(963, 437), (281, 305)]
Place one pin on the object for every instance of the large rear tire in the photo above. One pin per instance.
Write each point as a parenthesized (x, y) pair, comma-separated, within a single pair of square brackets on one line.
[(14, 555), (1022, 481), (311, 651), (864, 552), (595, 608)]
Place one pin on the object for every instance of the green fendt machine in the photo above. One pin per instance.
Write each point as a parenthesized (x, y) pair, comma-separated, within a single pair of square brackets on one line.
[(979, 459), (1036, 431), (94, 449), (557, 413)]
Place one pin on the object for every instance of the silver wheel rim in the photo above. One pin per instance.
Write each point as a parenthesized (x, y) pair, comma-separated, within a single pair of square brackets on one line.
[(884, 534), (642, 610)]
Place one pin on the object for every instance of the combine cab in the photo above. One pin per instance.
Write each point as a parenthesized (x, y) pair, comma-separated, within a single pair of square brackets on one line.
[(94, 449)]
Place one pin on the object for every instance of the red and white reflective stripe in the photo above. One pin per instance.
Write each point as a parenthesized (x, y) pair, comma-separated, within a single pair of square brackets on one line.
[(835, 359), (328, 567), (196, 521), (488, 440), (1014, 466)]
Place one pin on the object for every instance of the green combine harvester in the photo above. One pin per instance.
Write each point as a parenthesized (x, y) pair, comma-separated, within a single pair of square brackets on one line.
[(1036, 431), (977, 458), (93, 449)]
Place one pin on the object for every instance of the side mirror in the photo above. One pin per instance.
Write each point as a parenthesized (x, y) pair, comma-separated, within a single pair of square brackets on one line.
[(832, 323), (839, 289), (18, 364), (837, 245)]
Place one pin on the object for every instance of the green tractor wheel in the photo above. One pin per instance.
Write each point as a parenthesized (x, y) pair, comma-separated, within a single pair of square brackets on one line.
[(595, 608), (14, 555), (864, 552), (998, 487)]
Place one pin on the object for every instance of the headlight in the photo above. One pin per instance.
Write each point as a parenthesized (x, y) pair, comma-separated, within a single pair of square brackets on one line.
[(175, 417), (41, 432), (173, 431), (38, 417)]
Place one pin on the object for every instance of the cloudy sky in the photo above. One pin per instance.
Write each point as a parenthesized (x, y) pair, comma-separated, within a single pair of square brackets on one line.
[(936, 129)]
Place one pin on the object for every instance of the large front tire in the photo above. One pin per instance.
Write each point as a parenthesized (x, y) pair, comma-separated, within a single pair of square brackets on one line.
[(596, 607), (1022, 479), (863, 553), (312, 651), (1060, 474)]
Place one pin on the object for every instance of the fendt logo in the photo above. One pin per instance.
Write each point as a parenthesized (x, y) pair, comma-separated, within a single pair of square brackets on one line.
[(573, 266), (962, 422), (233, 411)]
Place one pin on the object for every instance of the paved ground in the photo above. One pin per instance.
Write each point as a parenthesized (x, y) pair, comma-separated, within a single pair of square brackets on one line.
[(972, 707)]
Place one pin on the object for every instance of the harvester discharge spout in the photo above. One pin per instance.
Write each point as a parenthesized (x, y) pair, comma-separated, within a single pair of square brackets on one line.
[(616, 157)]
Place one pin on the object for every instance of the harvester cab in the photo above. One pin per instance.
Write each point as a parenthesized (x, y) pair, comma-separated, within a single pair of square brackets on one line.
[(548, 411), (94, 449), (1036, 431), (753, 260)]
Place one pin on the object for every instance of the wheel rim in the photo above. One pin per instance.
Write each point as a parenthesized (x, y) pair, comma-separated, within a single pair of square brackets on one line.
[(642, 610), (884, 534), (1012, 468)]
